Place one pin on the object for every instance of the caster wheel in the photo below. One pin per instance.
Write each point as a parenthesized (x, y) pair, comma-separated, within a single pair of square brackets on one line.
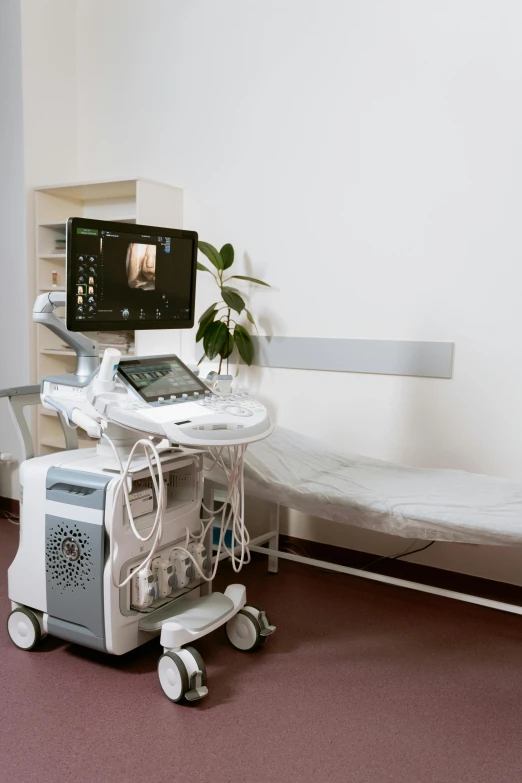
[(173, 676), (183, 675), (256, 610), (244, 631), (24, 629)]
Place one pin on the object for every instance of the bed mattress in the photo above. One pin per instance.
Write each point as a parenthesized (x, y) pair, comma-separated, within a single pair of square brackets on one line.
[(432, 504)]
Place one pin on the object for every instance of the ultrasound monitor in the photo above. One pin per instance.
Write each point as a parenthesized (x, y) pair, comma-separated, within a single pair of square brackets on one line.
[(129, 276)]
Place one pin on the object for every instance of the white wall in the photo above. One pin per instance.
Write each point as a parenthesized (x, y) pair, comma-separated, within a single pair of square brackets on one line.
[(14, 343), (364, 158), (38, 147), (367, 158), (50, 91), (49, 67)]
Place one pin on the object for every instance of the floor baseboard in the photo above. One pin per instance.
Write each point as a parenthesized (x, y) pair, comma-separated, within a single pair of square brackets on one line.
[(436, 577)]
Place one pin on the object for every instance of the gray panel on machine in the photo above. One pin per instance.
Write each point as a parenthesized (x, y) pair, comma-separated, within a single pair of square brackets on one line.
[(76, 488), (75, 558), (77, 634)]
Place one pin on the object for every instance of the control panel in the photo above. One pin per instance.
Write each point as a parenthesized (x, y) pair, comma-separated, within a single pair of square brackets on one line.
[(165, 398), (236, 404)]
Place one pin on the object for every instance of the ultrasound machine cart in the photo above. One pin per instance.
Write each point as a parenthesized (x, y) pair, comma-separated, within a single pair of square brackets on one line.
[(114, 547)]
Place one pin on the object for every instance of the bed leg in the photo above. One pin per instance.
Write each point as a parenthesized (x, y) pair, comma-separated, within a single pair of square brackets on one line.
[(273, 541)]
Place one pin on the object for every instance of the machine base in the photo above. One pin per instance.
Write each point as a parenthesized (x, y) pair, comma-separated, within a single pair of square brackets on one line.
[(191, 618), (181, 669)]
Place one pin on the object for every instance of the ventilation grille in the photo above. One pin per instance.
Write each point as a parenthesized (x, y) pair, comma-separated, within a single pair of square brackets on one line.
[(174, 480), (69, 558), (178, 480)]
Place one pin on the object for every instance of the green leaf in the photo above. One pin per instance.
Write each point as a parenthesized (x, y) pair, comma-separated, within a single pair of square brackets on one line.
[(212, 254), (251, 279), (214, 339), (244, 343), (207, 311), (232, 299), (202, 268), (250, 317), (204, 324), (228, 346), (227, 254)]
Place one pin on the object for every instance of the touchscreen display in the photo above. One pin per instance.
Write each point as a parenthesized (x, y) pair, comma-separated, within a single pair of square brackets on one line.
[(163, 376)]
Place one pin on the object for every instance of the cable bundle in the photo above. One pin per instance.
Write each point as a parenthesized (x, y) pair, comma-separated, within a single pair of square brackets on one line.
[(232, 510)]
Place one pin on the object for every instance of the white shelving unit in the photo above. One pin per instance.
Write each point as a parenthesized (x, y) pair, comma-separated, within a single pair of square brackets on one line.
[(125, 201)]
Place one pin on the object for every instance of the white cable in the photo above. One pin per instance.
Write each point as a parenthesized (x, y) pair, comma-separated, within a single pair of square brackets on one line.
[(232, 510), (235, 497), (234, 500), (239, 531), (159, 489)]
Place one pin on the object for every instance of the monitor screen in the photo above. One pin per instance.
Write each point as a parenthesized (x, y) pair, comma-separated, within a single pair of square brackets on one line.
[(128, 276), (160, 376)]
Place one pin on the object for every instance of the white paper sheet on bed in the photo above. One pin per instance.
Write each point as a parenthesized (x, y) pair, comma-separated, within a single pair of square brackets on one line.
[(444, 505)]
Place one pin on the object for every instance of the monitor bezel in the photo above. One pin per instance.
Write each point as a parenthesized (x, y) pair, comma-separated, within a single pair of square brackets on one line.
[(75, 325)]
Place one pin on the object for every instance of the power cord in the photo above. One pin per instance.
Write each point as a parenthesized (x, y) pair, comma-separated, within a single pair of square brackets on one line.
[(414, 551), (14, 520), (408, 551)]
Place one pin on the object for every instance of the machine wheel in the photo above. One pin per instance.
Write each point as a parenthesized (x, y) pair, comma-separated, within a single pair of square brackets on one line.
[(173, 676), (244, 631), (259, 609), (183, 675), (200, 663), (23, 628)]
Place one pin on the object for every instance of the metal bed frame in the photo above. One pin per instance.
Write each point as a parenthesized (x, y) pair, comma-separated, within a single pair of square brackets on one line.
[(273, 553)]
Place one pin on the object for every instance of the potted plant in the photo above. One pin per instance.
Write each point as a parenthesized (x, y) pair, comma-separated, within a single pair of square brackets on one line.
[(220, 332)]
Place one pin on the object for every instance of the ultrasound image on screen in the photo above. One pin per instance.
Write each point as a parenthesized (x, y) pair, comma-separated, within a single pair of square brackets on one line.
[(141, 266)]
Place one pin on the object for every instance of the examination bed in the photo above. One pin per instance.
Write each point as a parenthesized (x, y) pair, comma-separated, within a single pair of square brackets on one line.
[(298, 472)]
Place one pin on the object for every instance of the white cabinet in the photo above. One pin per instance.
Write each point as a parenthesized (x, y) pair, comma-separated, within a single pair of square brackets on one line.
[(129, 201)]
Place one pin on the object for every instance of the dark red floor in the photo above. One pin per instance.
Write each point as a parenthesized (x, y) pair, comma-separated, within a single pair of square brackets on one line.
[(361, 682)]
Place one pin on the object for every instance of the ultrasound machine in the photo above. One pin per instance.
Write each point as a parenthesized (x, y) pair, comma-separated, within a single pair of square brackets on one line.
[(116, 544)]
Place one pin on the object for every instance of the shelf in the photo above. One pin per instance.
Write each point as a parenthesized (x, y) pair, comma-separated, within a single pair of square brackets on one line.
[(65, 352), (127, 201), (58, 226), (57, 352), (54, 444), (62, 225), (93, 191)]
